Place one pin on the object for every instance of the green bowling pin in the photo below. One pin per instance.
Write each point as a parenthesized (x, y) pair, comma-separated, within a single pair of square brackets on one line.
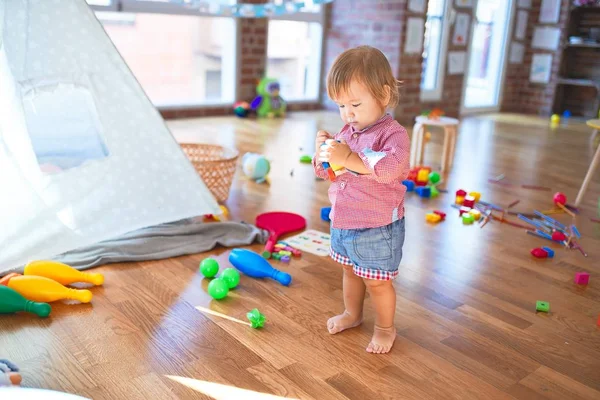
[(11, 301)]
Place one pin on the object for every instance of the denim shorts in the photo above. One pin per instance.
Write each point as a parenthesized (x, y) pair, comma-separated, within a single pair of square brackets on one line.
[(373, 253)]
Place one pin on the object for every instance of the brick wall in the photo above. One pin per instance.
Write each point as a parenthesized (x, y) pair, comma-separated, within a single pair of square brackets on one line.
[(521, 95), (351, 23)]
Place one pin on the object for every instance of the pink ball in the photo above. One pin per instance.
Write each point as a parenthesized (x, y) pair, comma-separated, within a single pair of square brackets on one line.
[(560, 198)]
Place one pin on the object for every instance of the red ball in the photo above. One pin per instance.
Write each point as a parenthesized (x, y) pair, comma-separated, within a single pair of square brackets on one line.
[(560, 198)]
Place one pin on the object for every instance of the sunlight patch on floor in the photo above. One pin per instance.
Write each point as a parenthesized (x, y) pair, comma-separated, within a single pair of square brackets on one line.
[(224, 392)]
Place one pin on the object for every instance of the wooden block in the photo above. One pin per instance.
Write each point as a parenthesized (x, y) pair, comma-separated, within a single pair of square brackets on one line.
[(582, 278), (431, 217), (542, 306), (476, 214), (469, 201), (475, 195)]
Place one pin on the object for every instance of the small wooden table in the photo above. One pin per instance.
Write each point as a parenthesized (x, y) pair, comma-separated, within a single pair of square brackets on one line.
[(417, 151), (592, 123)]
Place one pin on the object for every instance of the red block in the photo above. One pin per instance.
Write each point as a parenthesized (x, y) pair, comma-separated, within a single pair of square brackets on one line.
[(461, 193), (463, 210), (539, 253), (469, 201), (582, 278), (440, 213)]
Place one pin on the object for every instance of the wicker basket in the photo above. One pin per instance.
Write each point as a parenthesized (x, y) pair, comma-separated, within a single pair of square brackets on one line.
[(215, 164)]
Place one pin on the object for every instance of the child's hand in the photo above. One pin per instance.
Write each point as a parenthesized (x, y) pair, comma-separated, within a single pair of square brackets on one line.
[(335, 152), (322, 136)]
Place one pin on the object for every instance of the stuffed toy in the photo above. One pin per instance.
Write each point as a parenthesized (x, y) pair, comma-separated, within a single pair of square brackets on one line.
[(268, 103)]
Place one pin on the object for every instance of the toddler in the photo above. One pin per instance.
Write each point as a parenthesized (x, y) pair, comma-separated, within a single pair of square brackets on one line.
[(367, 197)]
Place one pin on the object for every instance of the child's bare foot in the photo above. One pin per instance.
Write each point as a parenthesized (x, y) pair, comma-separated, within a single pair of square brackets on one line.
[(343, 321), (382, 341)]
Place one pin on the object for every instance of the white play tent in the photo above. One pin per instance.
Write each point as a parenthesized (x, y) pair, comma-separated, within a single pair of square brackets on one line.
[(84, 155)]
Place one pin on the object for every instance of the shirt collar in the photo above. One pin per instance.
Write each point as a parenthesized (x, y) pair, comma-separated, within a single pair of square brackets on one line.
[(386, 117)]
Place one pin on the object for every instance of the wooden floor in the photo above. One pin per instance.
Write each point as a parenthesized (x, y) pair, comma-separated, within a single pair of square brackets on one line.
[(467, 326)]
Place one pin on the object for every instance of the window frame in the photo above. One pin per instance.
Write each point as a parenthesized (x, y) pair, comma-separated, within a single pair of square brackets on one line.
[(170, 8), (435, 94), (303, 16)]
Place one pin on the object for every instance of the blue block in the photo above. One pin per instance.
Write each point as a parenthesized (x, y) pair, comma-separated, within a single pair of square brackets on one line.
[(424, 191), (325, 213), (410, 185), (549, 251)]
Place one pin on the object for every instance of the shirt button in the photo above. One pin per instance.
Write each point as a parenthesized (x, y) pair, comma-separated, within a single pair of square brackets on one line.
[(343, 185)]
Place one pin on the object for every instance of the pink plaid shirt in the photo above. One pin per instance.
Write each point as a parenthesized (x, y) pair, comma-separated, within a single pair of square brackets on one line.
[(377, 199)]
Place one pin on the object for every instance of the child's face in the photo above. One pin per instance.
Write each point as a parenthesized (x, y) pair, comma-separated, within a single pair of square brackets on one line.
[(358, 107)]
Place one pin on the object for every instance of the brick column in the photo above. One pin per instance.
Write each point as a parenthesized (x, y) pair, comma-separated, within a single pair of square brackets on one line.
[(252, 54), (351, 23)]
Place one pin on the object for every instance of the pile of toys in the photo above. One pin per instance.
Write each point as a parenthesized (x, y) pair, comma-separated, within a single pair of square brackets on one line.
[(44, 282), (423, 181), (467, 202)]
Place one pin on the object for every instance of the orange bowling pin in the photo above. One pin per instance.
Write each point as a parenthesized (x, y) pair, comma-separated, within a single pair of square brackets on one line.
[(41, 289), (61, 273)]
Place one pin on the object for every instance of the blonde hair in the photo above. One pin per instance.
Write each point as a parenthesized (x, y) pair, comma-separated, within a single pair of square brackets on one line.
[(368, 66)]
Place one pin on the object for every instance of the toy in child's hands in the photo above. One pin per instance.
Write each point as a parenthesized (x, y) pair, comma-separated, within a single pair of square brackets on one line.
[(330, 168), (268, 103), (256, 167)]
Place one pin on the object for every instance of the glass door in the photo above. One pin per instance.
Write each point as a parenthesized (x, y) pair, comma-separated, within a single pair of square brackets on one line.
[(487, 53)]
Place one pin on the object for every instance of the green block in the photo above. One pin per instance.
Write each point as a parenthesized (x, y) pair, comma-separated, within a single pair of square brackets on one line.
[(542, 306), (468, 218), (434, 191)]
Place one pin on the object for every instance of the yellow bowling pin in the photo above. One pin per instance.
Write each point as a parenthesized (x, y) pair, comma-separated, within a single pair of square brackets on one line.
[(41, 289), (61, 273)]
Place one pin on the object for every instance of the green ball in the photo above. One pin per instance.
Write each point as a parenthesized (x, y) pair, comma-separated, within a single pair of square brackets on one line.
[(217, 288), (434, 177), (231, 277), (209, 267)]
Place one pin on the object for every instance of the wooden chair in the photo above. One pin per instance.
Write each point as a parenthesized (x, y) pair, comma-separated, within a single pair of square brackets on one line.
[(592, 123), (449, 127)]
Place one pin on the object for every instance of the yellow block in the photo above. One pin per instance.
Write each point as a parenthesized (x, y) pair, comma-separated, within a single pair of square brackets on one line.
[(476, 214), (423, 175), (477, 196), (460, 200), (335, 167), (431, 217)]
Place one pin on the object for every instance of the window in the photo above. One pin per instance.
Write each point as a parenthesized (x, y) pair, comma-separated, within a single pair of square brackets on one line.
[(294, 52), (180, 56), (434, 50), (63, 124)]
